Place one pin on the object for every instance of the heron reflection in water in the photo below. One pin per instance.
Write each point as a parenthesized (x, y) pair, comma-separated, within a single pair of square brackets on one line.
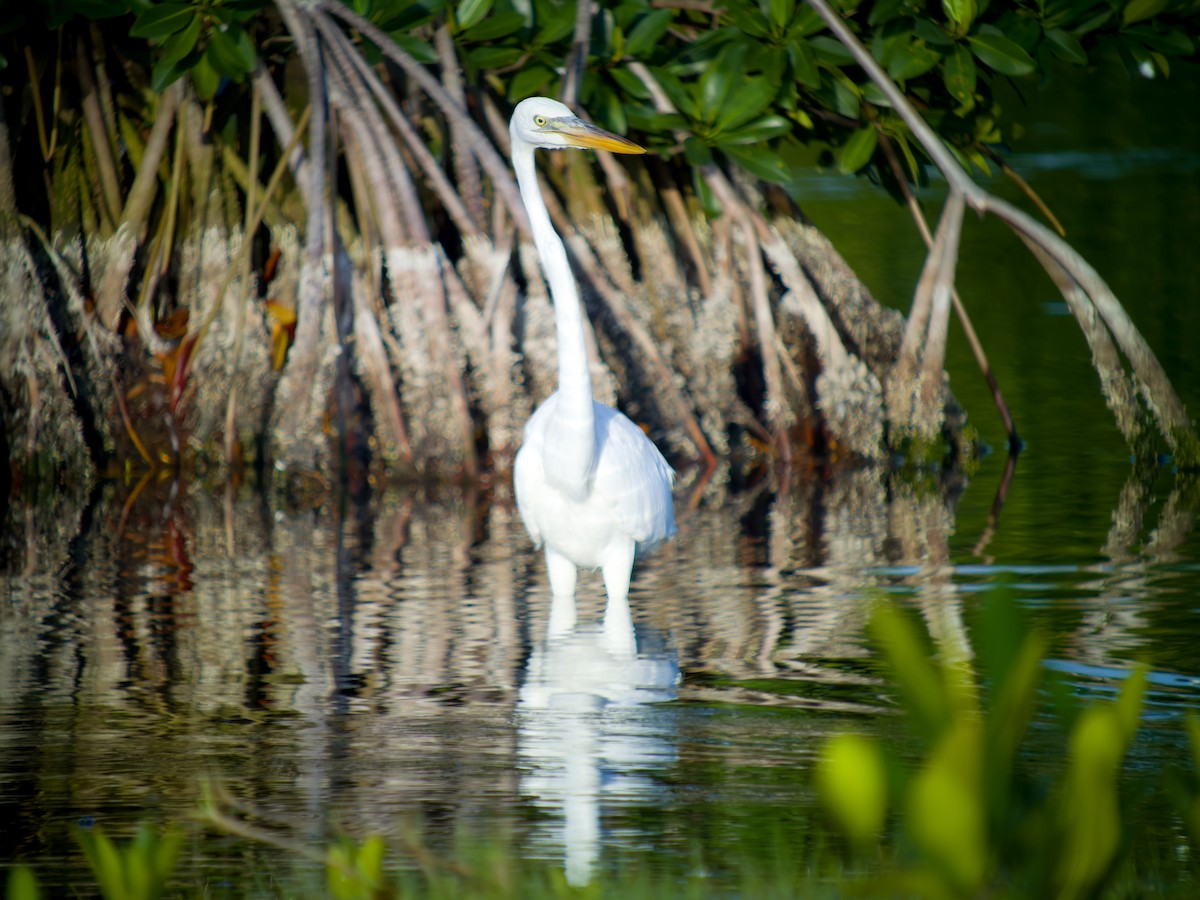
[(590, 486), (589, 734)]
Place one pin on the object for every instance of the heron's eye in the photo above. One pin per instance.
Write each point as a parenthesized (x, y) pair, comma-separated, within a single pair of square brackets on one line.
[(539, 121)]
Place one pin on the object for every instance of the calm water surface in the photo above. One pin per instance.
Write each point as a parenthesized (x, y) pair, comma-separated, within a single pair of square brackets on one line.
[(384, 668)]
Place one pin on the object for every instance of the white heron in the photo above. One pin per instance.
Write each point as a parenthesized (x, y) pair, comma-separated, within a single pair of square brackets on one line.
[(591, 487)]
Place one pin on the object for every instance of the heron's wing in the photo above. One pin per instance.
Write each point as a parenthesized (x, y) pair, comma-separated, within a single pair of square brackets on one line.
[(525, 481), (633, 478)]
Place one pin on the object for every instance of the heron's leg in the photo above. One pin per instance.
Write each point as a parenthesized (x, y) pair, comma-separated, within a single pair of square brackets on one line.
[(618, 621), (562, 590)]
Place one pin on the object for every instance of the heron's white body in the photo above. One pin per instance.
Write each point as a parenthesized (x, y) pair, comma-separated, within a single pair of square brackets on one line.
[(590, 486)]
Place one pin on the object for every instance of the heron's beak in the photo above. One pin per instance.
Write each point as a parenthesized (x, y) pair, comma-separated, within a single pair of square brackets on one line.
[(580, 134)]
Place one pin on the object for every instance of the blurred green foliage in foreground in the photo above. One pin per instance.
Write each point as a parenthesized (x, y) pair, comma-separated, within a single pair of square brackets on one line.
[(964, 809)]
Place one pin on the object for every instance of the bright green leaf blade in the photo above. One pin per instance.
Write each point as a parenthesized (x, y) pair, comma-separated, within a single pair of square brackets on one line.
[(913, 59), (529, 81), (648, 32), (804, 63), (416, 48), (959, 74), (22, 884), (853, 784), (961, 14), (858, 150), (761, 162), (205, 78), (757, 132), (747, 102), (781, 12), (921, 686), (502, 24), (471, 12), (1001, 54)]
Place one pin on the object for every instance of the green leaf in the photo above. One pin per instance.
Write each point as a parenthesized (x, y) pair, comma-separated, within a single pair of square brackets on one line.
[(529, 81), (853, 784), (804, 63), (959, 74), (719, 79), (181, 43), (630, 84), (1066, 46), (416, 48), (205, 78), (1006, 57), (961, 13), (758, 131), (831, 50), (648, 32), (1137, 10), (749, 101), (501, 25), (678, 93), (1172, 43), (162, 20), (912, 59), (494, 57), (858, 150), (760, 162), (946, 810), (165, 73), (712, 208), (22, 885), (471, 12), (781, 11), (231, 52)]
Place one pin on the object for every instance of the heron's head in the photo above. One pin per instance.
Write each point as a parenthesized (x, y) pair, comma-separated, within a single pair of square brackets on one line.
[(542, 122)]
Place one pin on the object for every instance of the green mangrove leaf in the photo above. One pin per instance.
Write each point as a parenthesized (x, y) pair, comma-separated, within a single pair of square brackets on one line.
[(415, 47), (858, 150), (958, 72), (501, 25), (911, 59), (1172, 43), (1066, 46), (181, 43), (471, 12), (719, 79), (961, 14), (162, 20), (804, 63), (648, 32), (231, 52), (630, 84), (1136, 10), (748, 101), (852, 780), (712, 208), (494, 57), (761, 162), (1005, 56), (165, 73), (529, 81), (830, 50), (756, 132), (205, 78), (782, 11)]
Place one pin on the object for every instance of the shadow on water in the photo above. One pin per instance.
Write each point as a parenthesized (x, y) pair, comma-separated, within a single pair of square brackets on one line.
[(365, 668)]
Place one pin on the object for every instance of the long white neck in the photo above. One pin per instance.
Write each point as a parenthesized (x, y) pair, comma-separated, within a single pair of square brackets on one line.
[(571, 458)]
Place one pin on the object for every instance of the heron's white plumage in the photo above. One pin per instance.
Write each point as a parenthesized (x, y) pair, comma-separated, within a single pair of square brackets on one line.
[(590, 485)]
